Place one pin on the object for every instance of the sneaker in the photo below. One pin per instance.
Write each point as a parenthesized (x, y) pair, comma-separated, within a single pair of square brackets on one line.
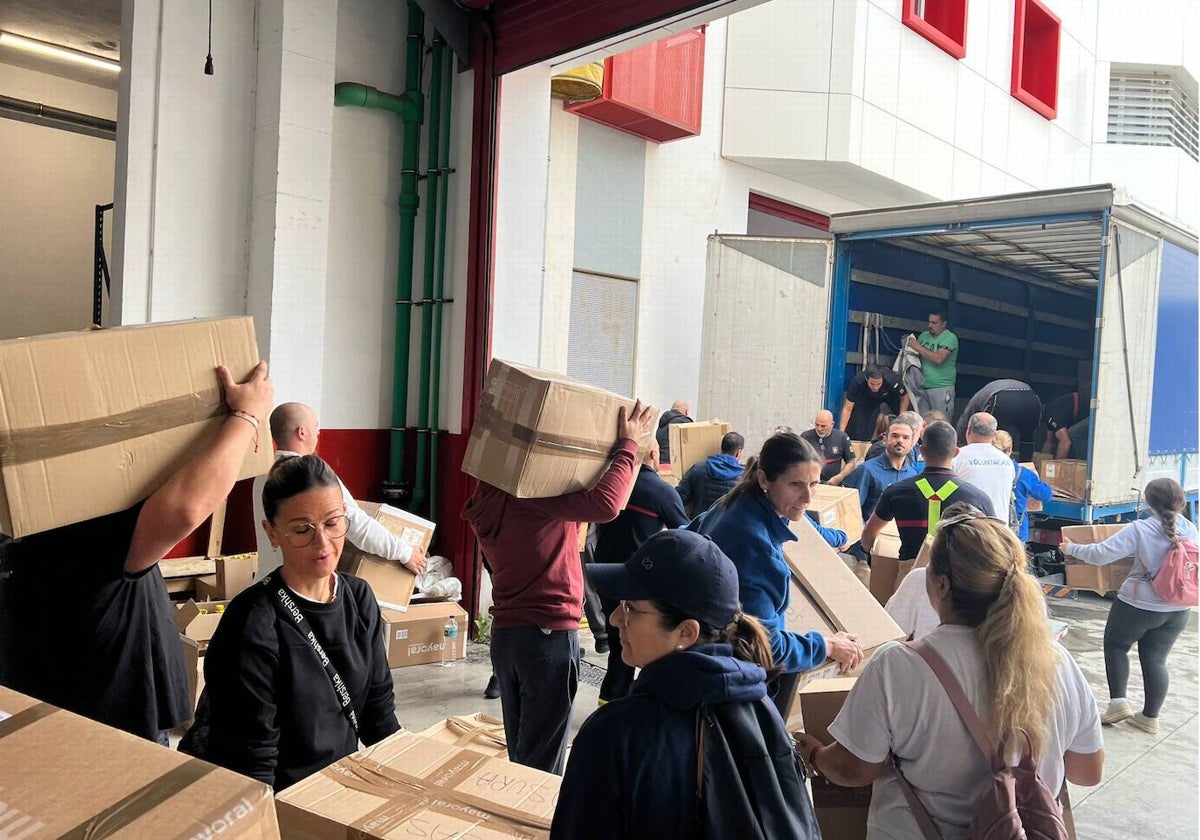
[(602, 646), (1147, 725), (1117, 711), (493, 688)]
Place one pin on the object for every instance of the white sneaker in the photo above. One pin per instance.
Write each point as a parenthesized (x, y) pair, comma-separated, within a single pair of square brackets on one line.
[(1147, 725), (1117, 711)]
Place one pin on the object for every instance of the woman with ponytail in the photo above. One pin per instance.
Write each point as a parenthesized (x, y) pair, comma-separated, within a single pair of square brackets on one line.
[(1138, 614), (660, 762), (994, 638)]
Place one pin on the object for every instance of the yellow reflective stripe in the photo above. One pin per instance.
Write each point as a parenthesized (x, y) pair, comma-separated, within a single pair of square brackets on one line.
[(935, 499)]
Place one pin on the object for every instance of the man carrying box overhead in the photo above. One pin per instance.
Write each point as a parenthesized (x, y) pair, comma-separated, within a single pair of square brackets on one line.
[(532, 546), (295, 430), (85, 621)]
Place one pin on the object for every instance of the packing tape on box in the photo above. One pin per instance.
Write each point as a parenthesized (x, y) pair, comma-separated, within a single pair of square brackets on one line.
[(249, 802), (21, 719), (22, 446), (495, 423), (140, 802)]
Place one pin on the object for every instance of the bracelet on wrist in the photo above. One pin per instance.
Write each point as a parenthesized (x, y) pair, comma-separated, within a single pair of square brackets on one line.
[(249, 418)]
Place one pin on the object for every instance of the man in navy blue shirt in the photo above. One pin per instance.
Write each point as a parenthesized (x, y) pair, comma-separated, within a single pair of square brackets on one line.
[(916, 503)]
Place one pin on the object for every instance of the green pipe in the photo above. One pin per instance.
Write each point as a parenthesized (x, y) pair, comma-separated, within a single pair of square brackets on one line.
[(440, 276), (423, 477)]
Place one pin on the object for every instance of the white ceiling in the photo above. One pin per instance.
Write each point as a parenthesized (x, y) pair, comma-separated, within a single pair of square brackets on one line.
[(92, 26)]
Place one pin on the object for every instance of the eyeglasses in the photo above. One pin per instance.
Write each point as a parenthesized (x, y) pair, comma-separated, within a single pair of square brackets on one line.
[(628, 610), (300, 536)]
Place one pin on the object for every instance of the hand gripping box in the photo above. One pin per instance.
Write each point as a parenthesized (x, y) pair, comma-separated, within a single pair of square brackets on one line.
[(63, 775), (540, 434), (93, 422), (390, 580), (1100, 579)]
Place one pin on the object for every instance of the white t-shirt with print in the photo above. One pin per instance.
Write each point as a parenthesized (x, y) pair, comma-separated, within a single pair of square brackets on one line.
[(990, 470), (899, 706)]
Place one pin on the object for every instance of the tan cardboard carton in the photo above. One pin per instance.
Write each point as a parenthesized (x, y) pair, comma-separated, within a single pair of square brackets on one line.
[(1099, 579), (391, 581), (837, 507), (479, 732), (1032, 505), (93, 422), (885, 563), (410, 786), (691, 443), (194, 662), (66, 776), (665, 473), (199, 620), (841, 812), (828, 598), (541, 434), (415, 637), (235, 572), (861, 448), (1068, 477)]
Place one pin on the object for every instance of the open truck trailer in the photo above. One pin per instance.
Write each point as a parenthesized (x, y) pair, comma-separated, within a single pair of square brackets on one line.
[(1044, 287)]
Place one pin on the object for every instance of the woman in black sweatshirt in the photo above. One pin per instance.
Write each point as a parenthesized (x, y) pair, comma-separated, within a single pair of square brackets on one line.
[(274, 711)]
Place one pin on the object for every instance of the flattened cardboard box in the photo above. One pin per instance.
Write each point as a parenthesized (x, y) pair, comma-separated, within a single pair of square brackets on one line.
[(415, 637), (391, 581), (93, 422), (540, 434), (479, 732), (837, 507), (828, 598), (691, 443), (410, 786), (1099, 579), (66, 776)]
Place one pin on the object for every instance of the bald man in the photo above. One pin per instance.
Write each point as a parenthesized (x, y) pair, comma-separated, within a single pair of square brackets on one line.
[(295, 430), (837, 454), (677, 414)]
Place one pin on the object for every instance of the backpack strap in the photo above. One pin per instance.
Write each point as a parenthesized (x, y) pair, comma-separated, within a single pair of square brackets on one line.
[(919, 812), (959, 698)]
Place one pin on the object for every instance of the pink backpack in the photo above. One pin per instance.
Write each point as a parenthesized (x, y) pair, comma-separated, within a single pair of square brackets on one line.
[(1178, 582), (1017, 805)]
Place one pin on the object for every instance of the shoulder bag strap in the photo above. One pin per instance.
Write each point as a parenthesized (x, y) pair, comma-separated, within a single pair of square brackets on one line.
[(290, 610), (698, 828)]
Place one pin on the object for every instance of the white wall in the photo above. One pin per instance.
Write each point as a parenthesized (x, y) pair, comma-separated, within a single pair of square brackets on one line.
[(52, 181)]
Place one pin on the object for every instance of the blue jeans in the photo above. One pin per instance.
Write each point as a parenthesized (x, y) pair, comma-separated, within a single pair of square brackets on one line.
[(538, 674)]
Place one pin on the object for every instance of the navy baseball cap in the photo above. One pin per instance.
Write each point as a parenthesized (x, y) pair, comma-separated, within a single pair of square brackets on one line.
[(682, 569)]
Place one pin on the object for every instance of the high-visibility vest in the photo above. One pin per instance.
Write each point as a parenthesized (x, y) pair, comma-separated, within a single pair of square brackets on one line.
[(935, 499)]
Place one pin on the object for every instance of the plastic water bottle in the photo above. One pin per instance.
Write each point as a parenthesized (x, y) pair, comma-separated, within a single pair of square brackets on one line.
[(450, 643)]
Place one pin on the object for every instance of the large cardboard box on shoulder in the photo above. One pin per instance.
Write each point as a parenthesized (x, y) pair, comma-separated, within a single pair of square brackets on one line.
[(540, 434), (410, 786), (691, 443), (837, 507), (392, 582), (416, 637), (1100, 579), (828, 598), (63, 775), (93, 422)]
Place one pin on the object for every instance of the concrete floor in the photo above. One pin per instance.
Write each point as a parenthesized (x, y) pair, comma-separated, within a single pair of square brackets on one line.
[(1150, 783)]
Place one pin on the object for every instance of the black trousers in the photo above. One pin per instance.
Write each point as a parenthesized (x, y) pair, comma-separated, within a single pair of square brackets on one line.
[(1018, 413), (1155, 634), (538, 675)]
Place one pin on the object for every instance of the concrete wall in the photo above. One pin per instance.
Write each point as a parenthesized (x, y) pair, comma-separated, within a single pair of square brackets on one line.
[(53, 179)]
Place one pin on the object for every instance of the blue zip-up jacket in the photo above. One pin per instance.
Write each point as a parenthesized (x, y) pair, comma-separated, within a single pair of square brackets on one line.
[(708, 480), (1028, 486), (632, 771), (752, 535)]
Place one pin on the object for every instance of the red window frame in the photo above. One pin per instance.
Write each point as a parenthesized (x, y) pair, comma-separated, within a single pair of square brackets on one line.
[(1037, 38), (941, 22)]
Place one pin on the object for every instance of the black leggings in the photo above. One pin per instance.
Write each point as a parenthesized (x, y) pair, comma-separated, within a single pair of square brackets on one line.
[(1155, 634)]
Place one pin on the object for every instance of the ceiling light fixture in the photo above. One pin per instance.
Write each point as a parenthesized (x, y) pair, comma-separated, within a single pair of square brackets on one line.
[(20, 42)]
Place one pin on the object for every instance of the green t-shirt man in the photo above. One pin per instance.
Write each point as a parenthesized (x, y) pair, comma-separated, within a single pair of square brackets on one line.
[(937, 338)]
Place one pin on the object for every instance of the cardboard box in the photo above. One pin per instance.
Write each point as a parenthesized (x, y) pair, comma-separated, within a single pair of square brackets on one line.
[(198, 620), (410, 786), (837, 507), (1099, 579), (885, 563), (665, 473), (1032, 505), (235, 573), (828, 598), (194, 662), (93, 422), (861, 448), (66, 776), (478, 732), (841, 812), (415, 637), (540, 434), (391, 581), (691, 443), (1068, 477)]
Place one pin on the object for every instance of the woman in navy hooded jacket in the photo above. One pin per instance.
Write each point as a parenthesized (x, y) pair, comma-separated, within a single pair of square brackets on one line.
[(633, 769), (750, 524)]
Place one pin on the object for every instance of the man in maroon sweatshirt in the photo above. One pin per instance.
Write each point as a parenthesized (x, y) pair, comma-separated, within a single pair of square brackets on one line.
[(532, 546)]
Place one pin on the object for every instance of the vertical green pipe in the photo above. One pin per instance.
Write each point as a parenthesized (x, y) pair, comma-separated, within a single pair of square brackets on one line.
[(409, 201), (431, 220), (440, 274)]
